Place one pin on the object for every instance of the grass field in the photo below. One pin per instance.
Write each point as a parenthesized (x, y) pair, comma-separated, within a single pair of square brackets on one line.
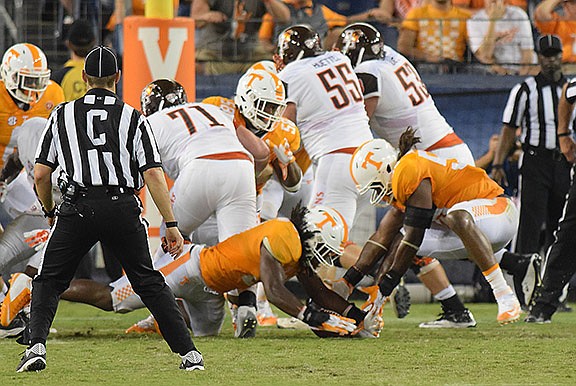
[(90, 347)]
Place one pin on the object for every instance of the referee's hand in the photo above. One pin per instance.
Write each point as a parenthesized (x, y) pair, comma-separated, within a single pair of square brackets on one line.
[(568, 148), (175, 241)]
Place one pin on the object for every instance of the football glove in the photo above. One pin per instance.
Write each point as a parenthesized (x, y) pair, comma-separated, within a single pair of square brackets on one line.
[(373, 322), (283, 153), (284, 156), (36, 238), (320, 319)]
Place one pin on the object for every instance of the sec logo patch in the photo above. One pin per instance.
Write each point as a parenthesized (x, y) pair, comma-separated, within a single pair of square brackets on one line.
[(12, 120), (49, 105)]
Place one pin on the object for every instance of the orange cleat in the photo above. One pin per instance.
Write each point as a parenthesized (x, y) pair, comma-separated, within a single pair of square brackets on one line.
[(145, 326), (17, 298)]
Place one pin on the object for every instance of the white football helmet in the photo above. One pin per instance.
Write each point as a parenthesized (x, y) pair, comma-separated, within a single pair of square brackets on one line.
[(330, 234), (371, 167), (25, 72), (261, 98)]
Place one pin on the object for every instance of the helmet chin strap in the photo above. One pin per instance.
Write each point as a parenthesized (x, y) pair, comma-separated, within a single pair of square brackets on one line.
[(300, 55), (360, 56)]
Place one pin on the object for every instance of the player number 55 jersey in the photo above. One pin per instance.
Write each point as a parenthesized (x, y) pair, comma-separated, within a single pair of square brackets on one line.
[(329, 103)]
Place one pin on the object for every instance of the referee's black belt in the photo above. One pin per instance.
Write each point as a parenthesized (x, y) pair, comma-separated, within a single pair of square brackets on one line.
[(553, 154), (103, 191)]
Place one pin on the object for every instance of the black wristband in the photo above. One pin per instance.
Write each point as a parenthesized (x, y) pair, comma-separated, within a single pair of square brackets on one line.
[(172, 224), (353, 276), (355, 313), (565, 134), (497, 166), (49, 213), (390, 280)]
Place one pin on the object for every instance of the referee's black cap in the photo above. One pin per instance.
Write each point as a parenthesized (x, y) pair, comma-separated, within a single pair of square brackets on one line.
[(549, 45), (101, 62)]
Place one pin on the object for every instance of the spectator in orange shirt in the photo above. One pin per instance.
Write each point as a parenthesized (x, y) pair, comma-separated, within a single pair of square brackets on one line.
[(434, 33), (550, 22)]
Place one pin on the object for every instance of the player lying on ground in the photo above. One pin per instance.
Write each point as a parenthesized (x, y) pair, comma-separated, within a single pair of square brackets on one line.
[(271, 252)]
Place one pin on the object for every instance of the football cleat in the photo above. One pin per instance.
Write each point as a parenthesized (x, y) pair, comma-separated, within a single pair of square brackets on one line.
[(16, 327), (508, 309), (17, 298), (34, 359), (193, 360), (246, 322), (266, 320), (452, 319), (145, 326), (400, 300), (538, 319), (529, 279), (265, 315)]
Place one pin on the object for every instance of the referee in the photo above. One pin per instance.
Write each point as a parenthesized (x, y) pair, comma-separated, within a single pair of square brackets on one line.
[(106, 150), (560, 259), (544, 172)]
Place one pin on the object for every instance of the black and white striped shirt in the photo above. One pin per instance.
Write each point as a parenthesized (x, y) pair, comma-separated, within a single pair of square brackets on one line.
[(533, 106), (98, 140)]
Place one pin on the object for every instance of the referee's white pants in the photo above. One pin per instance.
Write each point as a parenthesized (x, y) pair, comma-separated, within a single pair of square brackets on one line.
[(226, 188)]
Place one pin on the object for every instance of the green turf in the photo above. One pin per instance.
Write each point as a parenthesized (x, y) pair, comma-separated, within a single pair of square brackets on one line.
[(90, 347)]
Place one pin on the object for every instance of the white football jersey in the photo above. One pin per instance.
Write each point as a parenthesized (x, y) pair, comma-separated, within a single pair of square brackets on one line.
[(190, 131), (329, 103), (404, 100), (20, 196)]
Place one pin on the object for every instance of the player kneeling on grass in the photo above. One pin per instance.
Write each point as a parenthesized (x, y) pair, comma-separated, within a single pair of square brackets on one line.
[(270, 253), (443, 209)]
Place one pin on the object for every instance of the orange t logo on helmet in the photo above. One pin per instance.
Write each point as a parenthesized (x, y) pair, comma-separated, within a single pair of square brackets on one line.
[(369, 159), (328, 219)]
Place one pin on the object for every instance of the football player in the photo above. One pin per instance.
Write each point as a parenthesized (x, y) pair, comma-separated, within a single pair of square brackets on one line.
[(446, 210), (258, 105), (25, 92), (259, 90), (324, 99), (28, 227), (395, 97), (207, 157), (270, 253)]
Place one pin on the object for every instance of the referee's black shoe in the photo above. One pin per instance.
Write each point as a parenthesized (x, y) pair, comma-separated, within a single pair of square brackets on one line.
[(192, 361), (34, 359), (528, 278)]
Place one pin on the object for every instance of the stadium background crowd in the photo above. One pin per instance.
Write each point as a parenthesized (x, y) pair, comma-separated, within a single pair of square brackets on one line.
[(471, 75)]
